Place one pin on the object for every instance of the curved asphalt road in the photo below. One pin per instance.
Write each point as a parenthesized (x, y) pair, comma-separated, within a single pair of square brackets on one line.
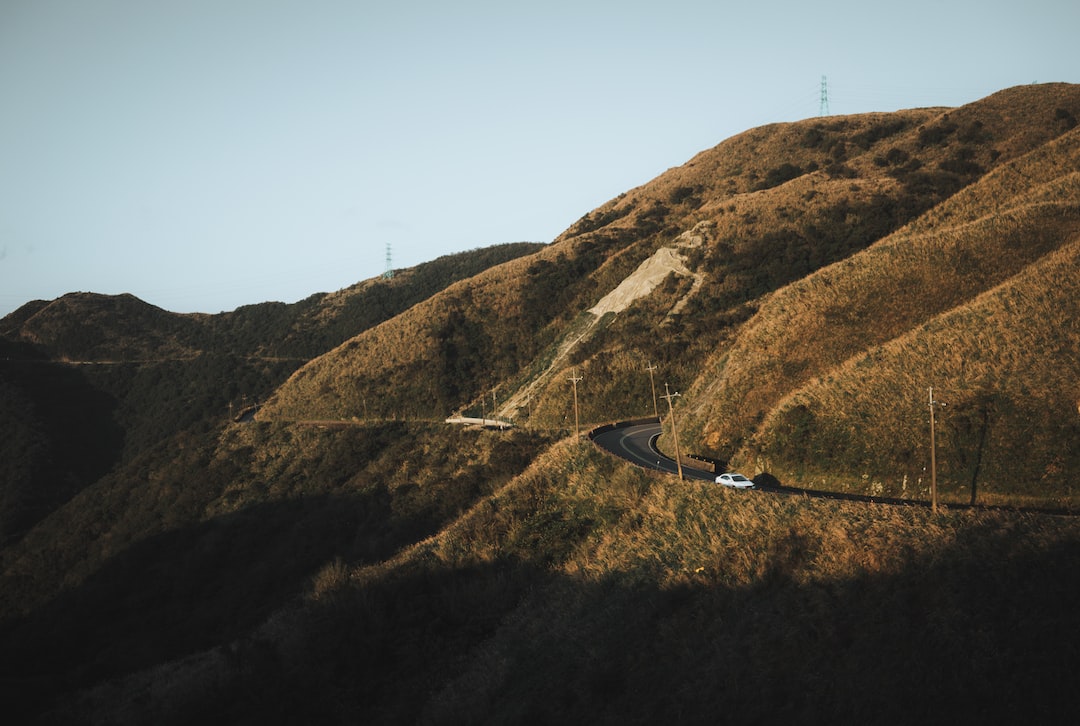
[(637, 443)]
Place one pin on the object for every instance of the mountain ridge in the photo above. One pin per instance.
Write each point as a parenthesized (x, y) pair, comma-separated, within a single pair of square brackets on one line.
[(347, 556), (780, 204)]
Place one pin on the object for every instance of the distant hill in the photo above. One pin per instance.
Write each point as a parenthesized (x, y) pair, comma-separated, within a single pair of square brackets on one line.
[(92, 327), (88, 379)]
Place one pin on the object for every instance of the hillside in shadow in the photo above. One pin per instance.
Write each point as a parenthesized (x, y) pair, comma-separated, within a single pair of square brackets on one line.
[(58, 435), (88, 381), (583, 592)]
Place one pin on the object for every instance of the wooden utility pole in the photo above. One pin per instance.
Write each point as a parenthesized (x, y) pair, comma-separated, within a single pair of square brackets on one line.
[(652, 384), (933, 452), (674, 431), (933, 456), (574, 379)]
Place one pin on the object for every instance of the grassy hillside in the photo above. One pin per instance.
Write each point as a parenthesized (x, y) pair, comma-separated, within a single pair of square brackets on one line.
[(815, 243), (585, 590), (313, 326), (1004, 439), (91, 327), (1003, 234), (200, 539), (88, 380), (348, 557)]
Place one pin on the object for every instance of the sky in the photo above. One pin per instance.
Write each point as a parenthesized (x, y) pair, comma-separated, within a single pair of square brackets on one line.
[(208, 154)]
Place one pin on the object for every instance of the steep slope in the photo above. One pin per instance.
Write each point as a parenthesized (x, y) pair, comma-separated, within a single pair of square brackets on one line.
[(977, 240), (1008, 366), (437, 354), (771, 206), (196, 542), (583, 590)]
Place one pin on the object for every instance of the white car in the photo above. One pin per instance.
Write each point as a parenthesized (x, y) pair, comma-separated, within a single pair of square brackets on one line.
[(737, 481)]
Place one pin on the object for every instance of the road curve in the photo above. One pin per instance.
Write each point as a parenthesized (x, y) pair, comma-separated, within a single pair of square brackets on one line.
[(636, 442)]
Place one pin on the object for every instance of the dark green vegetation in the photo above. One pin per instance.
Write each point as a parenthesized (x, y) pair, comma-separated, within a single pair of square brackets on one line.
[(348, 558)]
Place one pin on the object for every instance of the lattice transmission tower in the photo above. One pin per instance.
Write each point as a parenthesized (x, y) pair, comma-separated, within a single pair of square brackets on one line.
[(389, 264), (823, 109)]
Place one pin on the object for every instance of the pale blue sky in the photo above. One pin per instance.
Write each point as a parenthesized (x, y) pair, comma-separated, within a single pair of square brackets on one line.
[(205, 154)]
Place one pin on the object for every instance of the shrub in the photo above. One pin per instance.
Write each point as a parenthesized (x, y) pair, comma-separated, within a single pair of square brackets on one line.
[(779, 175)]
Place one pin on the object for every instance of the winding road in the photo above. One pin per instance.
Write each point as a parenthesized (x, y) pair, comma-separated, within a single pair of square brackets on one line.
[(636, 442)]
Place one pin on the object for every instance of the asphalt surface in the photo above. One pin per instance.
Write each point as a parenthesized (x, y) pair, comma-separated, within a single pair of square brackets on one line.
[(637, 444)]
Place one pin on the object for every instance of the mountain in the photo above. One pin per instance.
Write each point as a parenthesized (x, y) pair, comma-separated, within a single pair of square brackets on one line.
[(977, 298), (348, 556), (811, 250), (122, 327), (137, 375)]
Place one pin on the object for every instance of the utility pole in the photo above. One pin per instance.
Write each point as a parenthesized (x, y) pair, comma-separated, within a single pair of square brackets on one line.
[(933, 453), (674, 431), (574, 379), (652, 384)]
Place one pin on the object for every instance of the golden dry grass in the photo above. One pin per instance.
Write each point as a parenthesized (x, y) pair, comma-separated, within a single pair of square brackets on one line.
[(483, 334), (943, 261)]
